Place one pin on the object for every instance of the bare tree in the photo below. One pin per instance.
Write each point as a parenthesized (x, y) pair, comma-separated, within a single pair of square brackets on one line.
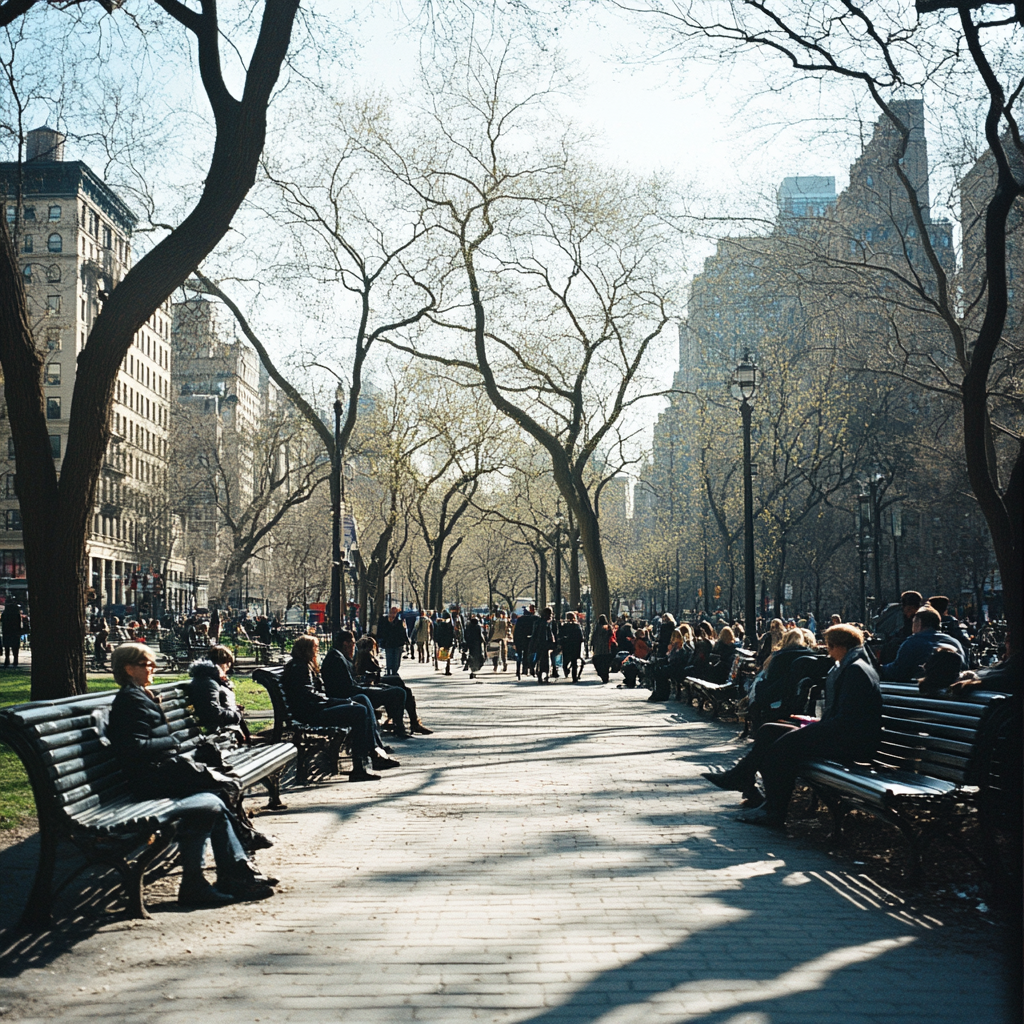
[(56, 512)]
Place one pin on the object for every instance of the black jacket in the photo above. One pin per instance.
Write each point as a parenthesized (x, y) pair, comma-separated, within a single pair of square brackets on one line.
[(212, 698), (524, 629), (852, 720), (570, 639), (444, 633), (338, 675), (138, 731), (391, 634), (304, 691), (473, 636)]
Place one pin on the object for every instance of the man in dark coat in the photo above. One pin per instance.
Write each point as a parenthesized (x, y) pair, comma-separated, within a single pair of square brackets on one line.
[(340, 683), (849, 730), (521, 635), (919, 646), (391, 639)]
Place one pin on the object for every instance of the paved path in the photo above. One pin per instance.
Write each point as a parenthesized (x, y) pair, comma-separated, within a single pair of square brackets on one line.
[(550, 855)]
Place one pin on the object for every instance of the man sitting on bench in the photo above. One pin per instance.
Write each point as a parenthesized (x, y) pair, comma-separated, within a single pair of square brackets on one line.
[(340, 683), (849, 730)]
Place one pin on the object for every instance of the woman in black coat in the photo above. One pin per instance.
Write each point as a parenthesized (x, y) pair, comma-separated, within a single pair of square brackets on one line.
[(156, 766), (444, 638), (473, 635), (849, 730), (542, 643)]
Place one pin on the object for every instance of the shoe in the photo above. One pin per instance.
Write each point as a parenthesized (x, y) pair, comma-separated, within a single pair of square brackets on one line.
[(203, 895), (259, 841), (381, 764), (752, 800), (251, 889), (763, 817), (401, 736), (727, 780), (362, 775), (421, 729)]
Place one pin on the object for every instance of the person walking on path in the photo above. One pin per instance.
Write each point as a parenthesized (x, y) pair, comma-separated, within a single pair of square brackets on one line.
[(474, 639), (542, 643), (422, 633), (10, 630), (497, 642), (602, 643), (570, 640), (521, 638), (391, 638), (444, 638)]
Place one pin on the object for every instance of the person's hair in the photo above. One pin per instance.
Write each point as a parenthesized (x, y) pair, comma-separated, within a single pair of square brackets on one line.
[(667, 618), (706, 629), (940, 604), (344, 636), (569, 616), (602, 620), (911, 597), (793, 638), (844, 635), (810, 640), (129, 654), (686, 630), (305, 649), (201, 627), (221, 655), (727, 636), (929, 617), (836, 619)]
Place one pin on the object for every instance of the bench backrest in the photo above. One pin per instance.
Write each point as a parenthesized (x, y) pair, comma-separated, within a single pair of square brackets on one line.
[(71, 767), (270, 680), (932, 736)]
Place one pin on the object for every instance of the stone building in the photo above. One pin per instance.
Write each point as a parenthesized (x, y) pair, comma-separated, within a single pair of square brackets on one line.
[(72, 233)]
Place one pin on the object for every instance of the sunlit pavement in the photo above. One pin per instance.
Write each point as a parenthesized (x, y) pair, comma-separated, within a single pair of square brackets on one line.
[(549, 855)]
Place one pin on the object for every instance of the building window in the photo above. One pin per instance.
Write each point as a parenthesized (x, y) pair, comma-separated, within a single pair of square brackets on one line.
[(53, 273), (12, 563), (54, 213), (55, 243), (10, 485), (27, 273), (55, 446), (12, 214), (10, 447), (52, 304), (870, 180), (53, 374), (107, 238), (12, 519), (53, 411), (27, 243), (29, 213), (53, 343)]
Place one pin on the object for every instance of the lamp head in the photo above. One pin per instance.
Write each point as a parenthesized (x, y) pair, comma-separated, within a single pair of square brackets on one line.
[(746, 377)]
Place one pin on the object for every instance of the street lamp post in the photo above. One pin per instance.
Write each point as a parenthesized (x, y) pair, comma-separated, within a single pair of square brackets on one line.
[(863, 540), (336, 567), (558, 565), (876, 536), (746, 380)]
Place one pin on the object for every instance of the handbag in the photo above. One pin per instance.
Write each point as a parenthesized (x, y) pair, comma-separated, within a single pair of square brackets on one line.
[(443, 654)]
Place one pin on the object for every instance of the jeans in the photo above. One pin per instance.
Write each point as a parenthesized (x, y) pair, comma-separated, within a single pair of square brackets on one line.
[(393, 659), (202, 816)]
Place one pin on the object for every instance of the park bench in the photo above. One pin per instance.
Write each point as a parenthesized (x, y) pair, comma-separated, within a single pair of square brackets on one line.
[(308, 740), (84, 798), (720, 696), (934, 757)]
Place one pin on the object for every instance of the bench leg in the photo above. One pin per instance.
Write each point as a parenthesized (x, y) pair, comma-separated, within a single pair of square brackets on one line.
[(272, 784), (38, 911), (134, 875)]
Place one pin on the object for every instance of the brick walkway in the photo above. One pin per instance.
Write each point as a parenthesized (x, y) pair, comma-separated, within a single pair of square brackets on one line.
[(550, 855)]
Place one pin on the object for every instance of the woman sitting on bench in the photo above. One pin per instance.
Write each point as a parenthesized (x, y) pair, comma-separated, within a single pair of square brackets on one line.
[(849, 730), (155, 767)]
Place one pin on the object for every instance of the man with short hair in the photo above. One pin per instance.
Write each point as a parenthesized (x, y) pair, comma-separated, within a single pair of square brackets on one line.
[(391, 638), (948, 624), (917, 648), (521, 633), (340, 683)]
